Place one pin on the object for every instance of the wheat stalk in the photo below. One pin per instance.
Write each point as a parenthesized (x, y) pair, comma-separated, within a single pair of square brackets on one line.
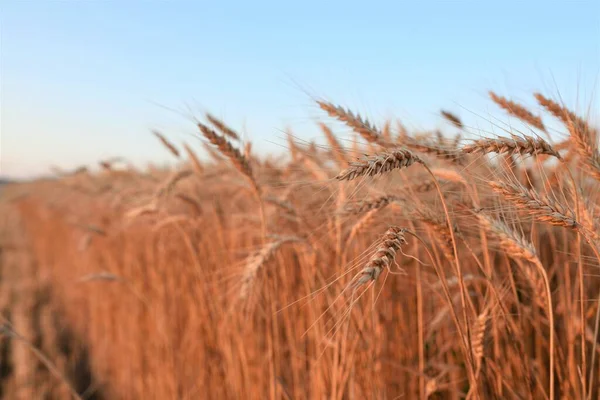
[(441, 152), (478, 338), (440, 229), (386, 132), (452, 118), (518, 111), (583, 136), (194, 160), (255, 262), (370, 204), (220, 125), (234, 155), (379, 163), (517, 247), (542, 209), (336, 148), (167, 187), (361, 126), (525, 145), (170, 146), (385, 254)]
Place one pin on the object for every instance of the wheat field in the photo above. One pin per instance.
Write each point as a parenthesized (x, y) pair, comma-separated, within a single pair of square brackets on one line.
[(396, 265)]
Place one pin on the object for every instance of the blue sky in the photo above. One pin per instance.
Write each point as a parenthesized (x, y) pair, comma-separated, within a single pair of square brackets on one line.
[(86, 80)]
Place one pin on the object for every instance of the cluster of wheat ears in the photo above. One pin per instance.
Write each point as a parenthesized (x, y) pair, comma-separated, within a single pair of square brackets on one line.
[(398, 265)]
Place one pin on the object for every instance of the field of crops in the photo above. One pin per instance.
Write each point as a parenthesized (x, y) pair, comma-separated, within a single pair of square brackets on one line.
[(398, 265)]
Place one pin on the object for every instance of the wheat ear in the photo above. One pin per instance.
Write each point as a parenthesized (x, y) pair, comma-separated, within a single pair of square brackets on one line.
[(361, 126), (379, 163), (226, 148), (194, 160), (338, 151), (518, 111), (385, 254), (170, 146), (542, 209), (241, 163), (220, 125), (525, 145), (254, 263), (452, 118), (376, 203), (583, 136), (517, 247)]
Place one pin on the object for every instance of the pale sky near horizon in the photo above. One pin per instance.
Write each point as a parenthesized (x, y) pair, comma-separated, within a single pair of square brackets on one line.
[(85, 80)]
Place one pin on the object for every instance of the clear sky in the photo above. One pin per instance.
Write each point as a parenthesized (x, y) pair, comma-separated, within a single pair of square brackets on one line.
[(85, 80)]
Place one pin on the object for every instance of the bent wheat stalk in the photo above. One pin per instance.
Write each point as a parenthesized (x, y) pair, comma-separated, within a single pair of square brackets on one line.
[(361, 126), (453, 119), (241, 163), (402, 158), (518, 111), (517, 247), (526, 145), (385, 254), (170, 146), (220, 125)]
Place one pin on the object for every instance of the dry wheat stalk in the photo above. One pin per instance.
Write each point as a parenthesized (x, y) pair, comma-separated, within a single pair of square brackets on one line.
[(542, 209), (293, 148), (147, 209), (254, 263), (583, 136), (386, 131), (220, 125), (380, 163), (478, 336), (452, 118), (215, 155), (360, 225), (248, 150), (456, 141), (167, 187), (525, 145), (361, 126), (166, 143), (194, 160), (449, 175), (402, 133), (514, 244), (424, 186), (313, 166), (238, 160), (336, 148), (518, 111), (442, 152), (193, 203), (284, 205), (517, 247), (440, 229), (385, 254), (370, 204)]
